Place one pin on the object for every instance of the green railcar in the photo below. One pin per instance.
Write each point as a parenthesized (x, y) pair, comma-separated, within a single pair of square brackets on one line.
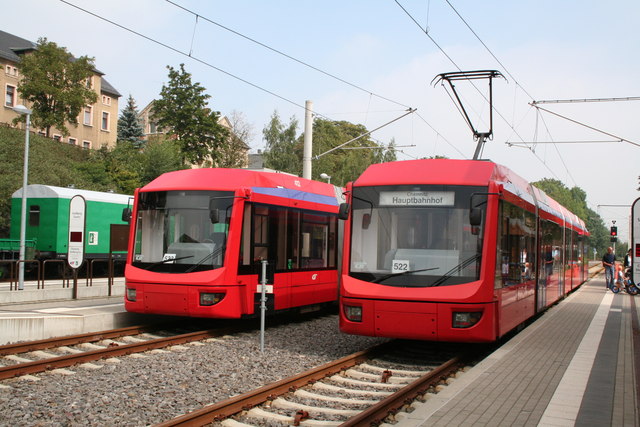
[(48, 220)]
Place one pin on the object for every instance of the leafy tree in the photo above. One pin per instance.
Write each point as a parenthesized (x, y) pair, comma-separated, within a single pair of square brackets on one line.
[(73, 166), (345, 164), (183, 109), (129, 126), (55, 84), (280, 151), (160, 155), (389, 154)]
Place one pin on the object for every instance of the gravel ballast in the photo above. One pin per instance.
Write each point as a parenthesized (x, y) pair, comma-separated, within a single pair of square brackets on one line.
[(139, 391)]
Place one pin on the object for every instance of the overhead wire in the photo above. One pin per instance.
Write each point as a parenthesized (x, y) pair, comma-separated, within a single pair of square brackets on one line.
[(279, 52), (588, 126), (189, 55), (505, 69), (488, 50), (178, 51)]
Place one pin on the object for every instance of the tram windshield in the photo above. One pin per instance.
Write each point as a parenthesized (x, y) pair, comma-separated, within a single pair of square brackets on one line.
[(182, 231), (416, 235)]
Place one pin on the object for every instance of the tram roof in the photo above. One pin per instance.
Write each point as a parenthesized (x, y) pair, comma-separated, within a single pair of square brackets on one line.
[(227, 179), (464, 172)]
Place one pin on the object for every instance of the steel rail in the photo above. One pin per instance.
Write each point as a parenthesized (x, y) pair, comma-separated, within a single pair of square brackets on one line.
[(112, 351), (231, 406), (376, 414), (23, 347)]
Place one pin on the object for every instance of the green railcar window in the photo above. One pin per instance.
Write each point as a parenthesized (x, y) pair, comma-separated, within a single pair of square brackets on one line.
[(34, 215)]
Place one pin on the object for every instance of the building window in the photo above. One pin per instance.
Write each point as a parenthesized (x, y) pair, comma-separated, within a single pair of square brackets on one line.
[(105, 120), (86, 145), (11, 70), (90, 82), (87, 115), (72, 141), (10, 96), (106, 100), (57, 137)]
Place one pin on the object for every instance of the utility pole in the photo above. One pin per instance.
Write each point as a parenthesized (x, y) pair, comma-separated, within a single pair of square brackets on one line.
[(308, 139)]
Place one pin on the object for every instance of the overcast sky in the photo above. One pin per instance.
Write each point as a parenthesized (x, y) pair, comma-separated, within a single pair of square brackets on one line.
[(383, 62)]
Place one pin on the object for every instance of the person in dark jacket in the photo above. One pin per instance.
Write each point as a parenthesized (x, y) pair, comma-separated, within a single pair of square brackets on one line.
[(609, 263)]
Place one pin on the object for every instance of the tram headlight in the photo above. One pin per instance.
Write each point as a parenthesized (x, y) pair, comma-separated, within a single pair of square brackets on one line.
[(466, 319), (131, 294), (210, 298), (353, 313)]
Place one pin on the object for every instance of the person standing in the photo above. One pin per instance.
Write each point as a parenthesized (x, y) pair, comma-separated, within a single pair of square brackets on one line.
[(609, 263)]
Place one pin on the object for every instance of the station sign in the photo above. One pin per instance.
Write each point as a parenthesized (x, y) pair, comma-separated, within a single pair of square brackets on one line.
[(75, 246), (417, 198), (635, 239)]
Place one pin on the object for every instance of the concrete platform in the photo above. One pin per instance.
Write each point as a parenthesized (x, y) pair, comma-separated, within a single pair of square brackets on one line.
[(576, 365)]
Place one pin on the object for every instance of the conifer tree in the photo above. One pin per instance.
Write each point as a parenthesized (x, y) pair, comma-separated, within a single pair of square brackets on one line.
[(129, 126)]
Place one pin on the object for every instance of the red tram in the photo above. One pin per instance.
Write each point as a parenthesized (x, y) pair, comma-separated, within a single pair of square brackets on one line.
[(453, 250), (198, 237)]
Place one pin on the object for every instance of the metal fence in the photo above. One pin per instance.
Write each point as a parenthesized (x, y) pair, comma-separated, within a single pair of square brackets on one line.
[(56, 271)]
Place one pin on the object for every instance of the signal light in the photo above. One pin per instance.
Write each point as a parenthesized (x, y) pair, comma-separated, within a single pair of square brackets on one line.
[(614, 231)]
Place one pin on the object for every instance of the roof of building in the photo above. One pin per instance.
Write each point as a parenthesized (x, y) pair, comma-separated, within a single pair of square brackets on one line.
[(12, 46), (107, 88)]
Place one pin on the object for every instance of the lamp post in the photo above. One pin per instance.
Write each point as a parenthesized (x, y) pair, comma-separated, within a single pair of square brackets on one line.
[(325, 176), (22, 110)]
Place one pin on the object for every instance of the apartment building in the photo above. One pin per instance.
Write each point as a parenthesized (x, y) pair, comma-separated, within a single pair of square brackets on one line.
[(97, 123)]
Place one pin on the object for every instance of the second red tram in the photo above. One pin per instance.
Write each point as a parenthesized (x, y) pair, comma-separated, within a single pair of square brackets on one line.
[(453, 250), (198, 238)]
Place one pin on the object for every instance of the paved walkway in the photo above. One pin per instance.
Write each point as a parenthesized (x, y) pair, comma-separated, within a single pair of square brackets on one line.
[(575, 365)]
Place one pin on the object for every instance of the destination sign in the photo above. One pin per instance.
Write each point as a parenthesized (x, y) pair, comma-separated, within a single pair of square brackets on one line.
[(417, 198)]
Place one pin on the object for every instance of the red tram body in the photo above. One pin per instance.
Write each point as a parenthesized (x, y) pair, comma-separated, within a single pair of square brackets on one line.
[(415, 267), (198, 237)]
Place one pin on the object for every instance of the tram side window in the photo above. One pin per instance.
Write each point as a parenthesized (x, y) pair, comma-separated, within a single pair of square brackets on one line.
[(568, 255), (515, 258), (290, 238), (550, 246), (261, 233), (315, 244)]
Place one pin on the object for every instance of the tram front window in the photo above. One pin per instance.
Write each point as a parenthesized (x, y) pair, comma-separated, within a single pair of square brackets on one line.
[(182, 231), (415, 236)]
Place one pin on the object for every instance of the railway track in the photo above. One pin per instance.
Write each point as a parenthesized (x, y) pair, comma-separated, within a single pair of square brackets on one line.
[(58, 353), (361, 389)]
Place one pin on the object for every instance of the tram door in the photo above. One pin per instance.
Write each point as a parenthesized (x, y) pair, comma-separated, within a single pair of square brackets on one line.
[(269, 238)]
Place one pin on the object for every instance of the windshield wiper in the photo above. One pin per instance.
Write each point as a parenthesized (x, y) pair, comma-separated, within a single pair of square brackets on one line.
[(165, 261), (402, 273), (207, 257), (455, 269)]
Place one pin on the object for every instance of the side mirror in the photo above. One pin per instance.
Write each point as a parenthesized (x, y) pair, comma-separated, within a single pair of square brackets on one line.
[(214, 213), (475, 217), (126, 214), (343, 211), (366, 220)]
